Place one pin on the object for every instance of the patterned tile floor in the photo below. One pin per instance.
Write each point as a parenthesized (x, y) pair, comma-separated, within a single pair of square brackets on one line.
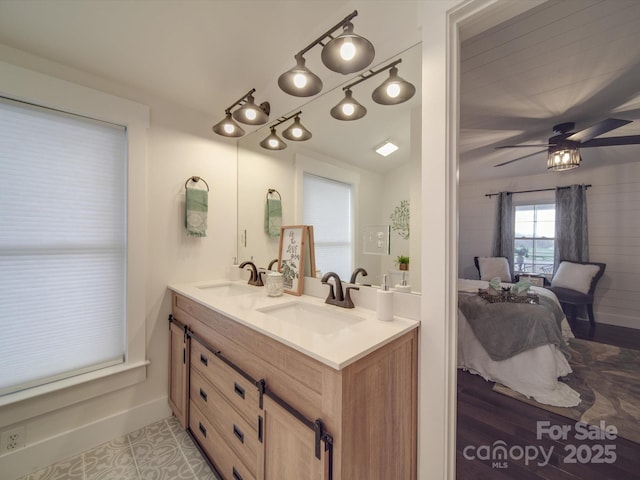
[(160, 451)]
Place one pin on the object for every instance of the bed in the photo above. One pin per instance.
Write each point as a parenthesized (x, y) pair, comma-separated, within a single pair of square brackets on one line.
[(533, 371)]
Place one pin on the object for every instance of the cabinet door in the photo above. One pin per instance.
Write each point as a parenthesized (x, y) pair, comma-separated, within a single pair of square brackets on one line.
[(289, 446), (178, 372)]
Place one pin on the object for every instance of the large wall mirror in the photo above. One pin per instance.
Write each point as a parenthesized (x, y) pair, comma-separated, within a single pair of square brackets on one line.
[(344, 152)]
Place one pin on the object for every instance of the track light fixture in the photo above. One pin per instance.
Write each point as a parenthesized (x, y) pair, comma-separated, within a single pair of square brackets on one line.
[(392, 91), (249, 113), (296, 132), (346, 53)]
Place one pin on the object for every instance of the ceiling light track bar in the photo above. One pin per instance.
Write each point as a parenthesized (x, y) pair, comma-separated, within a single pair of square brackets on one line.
[(371, 73), (239, 101), (318, 41), (281, 120)]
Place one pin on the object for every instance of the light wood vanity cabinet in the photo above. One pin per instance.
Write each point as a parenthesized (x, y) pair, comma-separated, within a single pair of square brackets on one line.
[(254, 430)]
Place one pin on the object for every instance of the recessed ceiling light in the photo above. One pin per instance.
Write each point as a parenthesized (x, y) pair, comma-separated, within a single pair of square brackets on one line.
[(387, 148)]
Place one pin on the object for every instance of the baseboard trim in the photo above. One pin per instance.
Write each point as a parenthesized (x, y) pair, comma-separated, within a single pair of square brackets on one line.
[(73, 442)]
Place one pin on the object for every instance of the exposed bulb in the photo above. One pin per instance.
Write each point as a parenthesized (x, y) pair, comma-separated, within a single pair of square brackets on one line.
[(229, 128), (250, 114), (393, 90), (300, 80), (348, 109), (347, 50), (273, 142), (296, 132)]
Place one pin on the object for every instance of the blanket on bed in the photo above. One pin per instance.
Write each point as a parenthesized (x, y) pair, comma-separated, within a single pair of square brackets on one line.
[(506, 329)]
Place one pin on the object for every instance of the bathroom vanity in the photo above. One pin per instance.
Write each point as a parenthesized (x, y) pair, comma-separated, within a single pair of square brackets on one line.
[(291, 388)]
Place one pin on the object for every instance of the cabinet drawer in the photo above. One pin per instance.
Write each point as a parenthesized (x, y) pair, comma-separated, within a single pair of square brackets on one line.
[(233, 428), (210, 440), (239, 391)]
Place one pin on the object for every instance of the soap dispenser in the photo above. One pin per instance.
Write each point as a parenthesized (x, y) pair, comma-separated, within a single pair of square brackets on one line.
[(384, 301)]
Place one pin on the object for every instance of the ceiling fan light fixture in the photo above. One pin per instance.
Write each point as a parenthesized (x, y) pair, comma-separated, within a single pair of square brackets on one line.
[(228, 128), (273, 141), (393, 90), (251, 114), (296, 131), (348, 52), (348, 108), (563, 159), (300, 81)]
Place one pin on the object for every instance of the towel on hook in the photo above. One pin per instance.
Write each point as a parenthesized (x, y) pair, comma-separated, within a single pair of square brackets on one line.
[(195, 215), (273, 217)]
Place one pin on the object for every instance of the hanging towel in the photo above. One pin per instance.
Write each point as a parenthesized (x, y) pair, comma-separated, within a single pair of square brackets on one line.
[(195, 215), (273, 217)]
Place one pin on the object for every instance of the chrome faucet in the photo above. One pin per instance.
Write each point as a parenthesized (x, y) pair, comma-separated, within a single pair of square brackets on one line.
[(256, 277), (356, 272), (338, 298)]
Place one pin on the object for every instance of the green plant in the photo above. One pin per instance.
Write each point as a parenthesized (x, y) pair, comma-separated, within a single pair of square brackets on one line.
[(402, 260)]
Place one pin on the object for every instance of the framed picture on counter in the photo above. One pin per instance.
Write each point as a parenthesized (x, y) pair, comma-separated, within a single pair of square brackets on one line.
[(296, 256)]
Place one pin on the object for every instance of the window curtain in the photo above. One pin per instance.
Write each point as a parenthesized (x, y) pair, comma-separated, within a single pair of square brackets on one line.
[(503, 238), (572, 238)]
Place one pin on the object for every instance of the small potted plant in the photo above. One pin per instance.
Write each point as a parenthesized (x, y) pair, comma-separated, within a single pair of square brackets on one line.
[(521, 252), (403, 262)]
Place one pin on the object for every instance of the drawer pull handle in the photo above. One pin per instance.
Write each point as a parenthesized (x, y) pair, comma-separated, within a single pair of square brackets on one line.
[(236, 475), (202, 429), (238, 389), (204, 359), (238, 433), (203, 394)]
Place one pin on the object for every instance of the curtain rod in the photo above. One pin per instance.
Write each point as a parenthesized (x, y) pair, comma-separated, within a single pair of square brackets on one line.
[(531, 191)]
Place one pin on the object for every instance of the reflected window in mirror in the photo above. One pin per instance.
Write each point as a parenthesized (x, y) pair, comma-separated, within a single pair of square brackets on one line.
[(327, 205)]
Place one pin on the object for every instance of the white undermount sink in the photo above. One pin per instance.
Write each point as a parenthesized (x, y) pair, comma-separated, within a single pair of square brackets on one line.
[(320, 319), (229, 289)]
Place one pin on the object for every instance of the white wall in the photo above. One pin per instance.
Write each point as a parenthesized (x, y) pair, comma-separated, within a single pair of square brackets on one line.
[(179, 144), (614, 230)]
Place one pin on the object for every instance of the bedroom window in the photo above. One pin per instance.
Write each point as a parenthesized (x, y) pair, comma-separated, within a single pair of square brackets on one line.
[(534, 238), (63, 244)]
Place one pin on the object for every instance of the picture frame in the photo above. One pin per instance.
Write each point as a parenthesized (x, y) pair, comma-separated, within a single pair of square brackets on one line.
[(296, 255)]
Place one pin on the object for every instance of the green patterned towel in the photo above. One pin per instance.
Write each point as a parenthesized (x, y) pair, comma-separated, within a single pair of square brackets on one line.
[(273, 217), (195, 217)]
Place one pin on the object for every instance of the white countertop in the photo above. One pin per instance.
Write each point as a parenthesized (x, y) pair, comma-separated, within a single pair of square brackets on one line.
[(337, 348)]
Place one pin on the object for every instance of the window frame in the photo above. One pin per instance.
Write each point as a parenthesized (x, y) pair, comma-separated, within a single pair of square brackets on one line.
[(39, 89), (531, 203)]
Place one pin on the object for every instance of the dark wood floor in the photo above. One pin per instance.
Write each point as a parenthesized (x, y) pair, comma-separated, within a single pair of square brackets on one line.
[(486, 417)]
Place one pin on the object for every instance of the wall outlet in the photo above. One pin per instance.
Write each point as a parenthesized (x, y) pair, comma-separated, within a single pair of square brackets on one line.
[(12, 439)]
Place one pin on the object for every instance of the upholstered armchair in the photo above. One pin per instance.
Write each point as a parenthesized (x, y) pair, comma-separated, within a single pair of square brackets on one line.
[(574, 283)]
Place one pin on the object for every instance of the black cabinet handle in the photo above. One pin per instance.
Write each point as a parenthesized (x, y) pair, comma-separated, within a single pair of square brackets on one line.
[(238, 433), (203, 394), (238, 389), (236, 475), (204, 359), (202, 429)]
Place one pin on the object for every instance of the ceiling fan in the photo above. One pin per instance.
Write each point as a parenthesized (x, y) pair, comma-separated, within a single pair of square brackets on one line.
[(563, 147)]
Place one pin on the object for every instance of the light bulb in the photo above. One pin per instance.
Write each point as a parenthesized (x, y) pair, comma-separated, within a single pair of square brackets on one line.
[(296, 132), (300, 80), (229, 128), (273, 142), (347, 50), (250, 114), (348, 109), (393, 90)]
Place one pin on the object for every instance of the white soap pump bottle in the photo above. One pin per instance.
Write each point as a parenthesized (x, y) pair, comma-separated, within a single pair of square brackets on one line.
[(384, 301)]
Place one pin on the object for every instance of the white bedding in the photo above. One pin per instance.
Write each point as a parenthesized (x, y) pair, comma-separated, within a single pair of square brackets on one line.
[(533, 373)]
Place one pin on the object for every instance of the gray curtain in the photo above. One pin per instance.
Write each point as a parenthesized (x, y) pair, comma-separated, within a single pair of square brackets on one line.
[(572, 238), (503, 237)]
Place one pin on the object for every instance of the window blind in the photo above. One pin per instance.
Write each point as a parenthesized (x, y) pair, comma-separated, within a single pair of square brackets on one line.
[(327, 206), (62, 245)]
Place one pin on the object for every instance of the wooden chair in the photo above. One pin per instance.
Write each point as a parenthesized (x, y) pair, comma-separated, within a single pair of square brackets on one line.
[(570, 299)]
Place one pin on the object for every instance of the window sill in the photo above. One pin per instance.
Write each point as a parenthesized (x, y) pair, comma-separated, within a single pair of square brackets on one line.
[(19, 406)]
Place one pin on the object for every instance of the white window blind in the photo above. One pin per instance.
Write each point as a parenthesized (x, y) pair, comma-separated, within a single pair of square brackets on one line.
[(63, 184), (327, 206)]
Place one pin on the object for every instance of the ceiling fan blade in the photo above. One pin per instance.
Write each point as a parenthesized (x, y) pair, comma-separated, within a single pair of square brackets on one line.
[(599, 128), (612, 141), (520, 158), (536, 145)]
